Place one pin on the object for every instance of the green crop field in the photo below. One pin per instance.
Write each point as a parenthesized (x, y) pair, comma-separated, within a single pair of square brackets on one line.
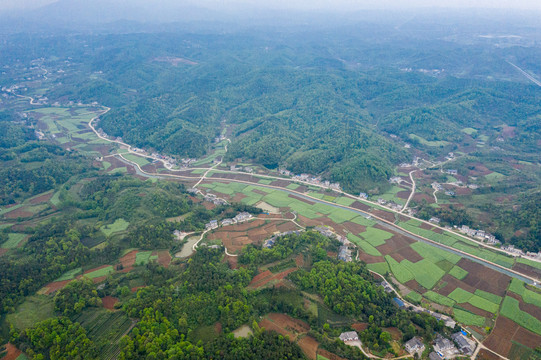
[(101, 272), (36, 308), (381, 268), (483, 304), (528, 296), (321, 357), (341, 215), (375, 237), (439, 299), (139, 160), (414, 296), (401, 273), (292, 186), (425, 272), (433, 253), (425, 142), (490, 297), (118, 226), (390, 195), (458, 272), (144, 257), (469, 130), (510, 308), (460, 295), (70, 274), (529, 262), (342, 200), (361, 220), (364, 245), (14, 239), (468, 318)]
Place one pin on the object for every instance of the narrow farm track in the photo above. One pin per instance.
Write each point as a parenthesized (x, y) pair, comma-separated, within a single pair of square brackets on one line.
[(412, 192)]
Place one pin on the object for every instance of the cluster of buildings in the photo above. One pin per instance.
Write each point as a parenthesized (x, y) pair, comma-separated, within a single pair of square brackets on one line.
[(247, 169), (390, 204), (529, 254), (239, 218), (479, 234), (311, 179), (214, 199), (269, 243), (444, 348), (345, 253), (217, 139)]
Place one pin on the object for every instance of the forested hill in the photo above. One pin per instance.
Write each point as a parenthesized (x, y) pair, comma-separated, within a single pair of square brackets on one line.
[(307, 101)]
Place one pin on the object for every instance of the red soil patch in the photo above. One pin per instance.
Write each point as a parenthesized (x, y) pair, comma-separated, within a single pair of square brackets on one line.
[(414, 285), (425, 226), (232, 261), (288, 323), (418, 198), (164, 258), (299, 260), (395, 333), (506, 331), (359, 205), (509, 131), (384, 215), (354, 228), (14, 214), (329, 355), (403, 194), (487, 355), (309, 346), (128, 261), (260, 192), (41, 199), (55, 286), (300, 199), (476, 310), (134, 289), (3, 251), (260, 276), (99, 279), (12, 352), (398, 244), (268, 278), (528, 308), (369, 259), (479, 170), (218, 327), (462, 191), (483, 278), (238, 197), (359, 327), (527, 270), (398, 257), (109, 302)]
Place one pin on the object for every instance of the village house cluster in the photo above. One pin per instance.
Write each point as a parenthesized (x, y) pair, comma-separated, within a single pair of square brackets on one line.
[(239, 218), (518, 252), (389, 204), (345, 252), (241, 168), (269, 243), (311, 179), (479, 234)]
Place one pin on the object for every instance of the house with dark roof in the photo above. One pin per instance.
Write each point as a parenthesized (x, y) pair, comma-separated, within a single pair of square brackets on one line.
[(414, 345)]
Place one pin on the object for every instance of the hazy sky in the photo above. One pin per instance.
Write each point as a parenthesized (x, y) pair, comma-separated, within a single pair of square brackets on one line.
[(323, 4)]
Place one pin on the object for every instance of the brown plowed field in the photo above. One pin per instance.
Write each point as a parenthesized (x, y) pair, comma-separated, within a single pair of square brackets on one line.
[(359, 327), (398, 244), (506, 331), (42, 198), (395, 333), (309, 346), (14, 214), (403, 194), (354, 228), (260, 277), (164, 258), (528, 308), (280, 183), (528, 270), (128, 261), (452, 284), (300, 199), (369, 259), (384, 215), (285, 325), (109, 302), (3, 251), (476, 310), (414, 285), (264, 280), (12, 352), (487, 355), (359, 205), (55, 286), (483, 278), (329, 355)]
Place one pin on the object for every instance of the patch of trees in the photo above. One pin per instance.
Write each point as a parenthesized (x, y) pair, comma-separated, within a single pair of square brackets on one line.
[(76, 296), (55, 339), (151, 235), (449, 216)]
